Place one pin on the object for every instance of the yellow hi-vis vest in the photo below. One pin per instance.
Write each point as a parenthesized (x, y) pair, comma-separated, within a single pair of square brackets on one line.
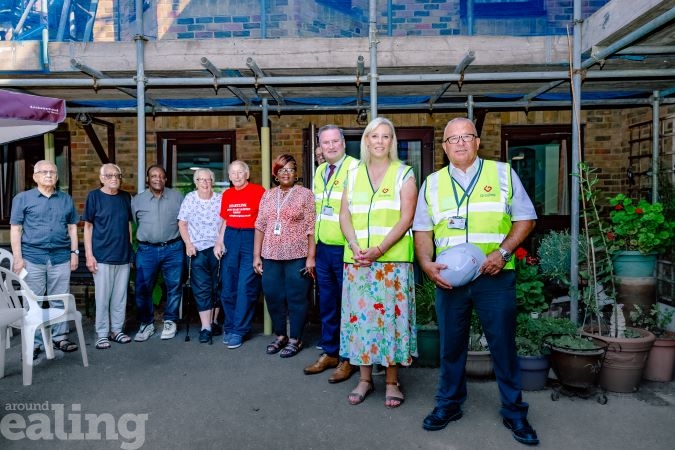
[(374, 214), (489, 208), (327, 227)]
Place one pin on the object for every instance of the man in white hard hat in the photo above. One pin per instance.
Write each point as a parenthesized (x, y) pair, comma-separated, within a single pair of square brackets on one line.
[(482, 202)]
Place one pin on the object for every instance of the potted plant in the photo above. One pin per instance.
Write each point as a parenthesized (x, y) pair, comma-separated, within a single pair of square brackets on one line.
[(553, 256), (428, 339), (627, 347), (531, 330), (661, 359), (576, 361), (637, 233)]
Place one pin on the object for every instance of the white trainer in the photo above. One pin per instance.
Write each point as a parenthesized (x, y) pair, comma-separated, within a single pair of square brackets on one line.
[(145, 332), (169, 331)]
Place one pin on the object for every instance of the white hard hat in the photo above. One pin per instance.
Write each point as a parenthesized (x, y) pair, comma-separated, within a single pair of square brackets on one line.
[(463, 262)]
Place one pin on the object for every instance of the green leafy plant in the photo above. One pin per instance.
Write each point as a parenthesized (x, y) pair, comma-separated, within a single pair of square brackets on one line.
[(571, 342), (529, 287), (638, 227), (554, 256), (425, 303), (531, 331), (653, 319), (598, 287)]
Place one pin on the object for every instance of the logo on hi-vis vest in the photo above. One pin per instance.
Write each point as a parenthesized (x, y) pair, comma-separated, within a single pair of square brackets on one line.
[(385, 190), (488, 192)]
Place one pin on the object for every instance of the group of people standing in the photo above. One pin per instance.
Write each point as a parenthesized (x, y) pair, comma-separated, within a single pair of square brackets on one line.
[(357, 233)]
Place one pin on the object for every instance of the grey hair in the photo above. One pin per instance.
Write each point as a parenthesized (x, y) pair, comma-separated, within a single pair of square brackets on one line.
[(205, 170)]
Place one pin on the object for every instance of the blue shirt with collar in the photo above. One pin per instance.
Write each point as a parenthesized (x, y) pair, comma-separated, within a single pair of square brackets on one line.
[(44, 222)]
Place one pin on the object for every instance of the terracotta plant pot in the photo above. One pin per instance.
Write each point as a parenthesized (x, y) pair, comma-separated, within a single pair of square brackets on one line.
[(625, 360), (661, 361)]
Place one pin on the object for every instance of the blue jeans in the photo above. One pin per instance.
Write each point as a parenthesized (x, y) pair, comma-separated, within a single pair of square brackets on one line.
[(204, 282), (240, 284), (149, 261), (329, 271), (494, 299), (49, 279), (286, 291)]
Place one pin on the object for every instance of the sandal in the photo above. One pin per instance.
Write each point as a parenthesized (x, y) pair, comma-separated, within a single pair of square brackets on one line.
[(394, 398), (354, 398), (65, 346), (103, 343), (292, 348), (276, 345), (120, 338)]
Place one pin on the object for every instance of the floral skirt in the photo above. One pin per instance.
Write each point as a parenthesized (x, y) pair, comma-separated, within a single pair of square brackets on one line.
[(377, 321)]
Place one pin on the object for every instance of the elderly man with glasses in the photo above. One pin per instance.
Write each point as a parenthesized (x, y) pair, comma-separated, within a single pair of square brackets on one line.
[(107, 246), (482, 202), (43, 234)]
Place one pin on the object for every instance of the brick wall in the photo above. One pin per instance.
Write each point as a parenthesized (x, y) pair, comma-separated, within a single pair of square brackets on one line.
[(223, 19)]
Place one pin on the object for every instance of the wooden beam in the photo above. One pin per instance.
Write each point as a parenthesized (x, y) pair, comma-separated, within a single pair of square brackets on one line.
[(617, 18)]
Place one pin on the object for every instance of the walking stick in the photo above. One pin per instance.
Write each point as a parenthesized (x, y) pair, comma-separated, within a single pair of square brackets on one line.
[(187, 291), (213, 299)]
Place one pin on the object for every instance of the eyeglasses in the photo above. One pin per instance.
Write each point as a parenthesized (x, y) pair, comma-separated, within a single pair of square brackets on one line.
[(204, 180), (110, 176), (46, 172), (286, 170), (463, 137)]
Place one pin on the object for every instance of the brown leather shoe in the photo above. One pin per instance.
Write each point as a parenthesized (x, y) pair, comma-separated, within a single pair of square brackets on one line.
[(343, 372), (324, 362)]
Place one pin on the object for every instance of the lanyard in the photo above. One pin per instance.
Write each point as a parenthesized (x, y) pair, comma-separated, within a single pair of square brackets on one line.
[(335, 174), (281, 202), (469, 188)]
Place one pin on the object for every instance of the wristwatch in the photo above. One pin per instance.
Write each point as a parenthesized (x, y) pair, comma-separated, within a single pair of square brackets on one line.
[(76, 252), (506, 255)]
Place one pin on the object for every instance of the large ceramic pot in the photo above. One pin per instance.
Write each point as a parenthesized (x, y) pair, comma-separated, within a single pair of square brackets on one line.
[(534, 372), (479, 364), (629, 263), (625, 360), (635, 280), (428, 347), (661, 361), (577, 368)]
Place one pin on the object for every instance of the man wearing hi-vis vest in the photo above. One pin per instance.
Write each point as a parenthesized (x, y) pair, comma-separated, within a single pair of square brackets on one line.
[(484, 203), (328, 185)]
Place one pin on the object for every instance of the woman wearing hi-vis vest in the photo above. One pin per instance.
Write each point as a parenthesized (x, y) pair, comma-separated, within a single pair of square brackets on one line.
[(378, 303)]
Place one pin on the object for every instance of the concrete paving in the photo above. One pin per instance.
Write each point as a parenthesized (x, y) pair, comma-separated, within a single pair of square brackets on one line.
[(207, 396)]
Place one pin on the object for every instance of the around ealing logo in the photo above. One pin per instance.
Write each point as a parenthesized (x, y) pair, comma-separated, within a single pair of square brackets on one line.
[(44, 421)]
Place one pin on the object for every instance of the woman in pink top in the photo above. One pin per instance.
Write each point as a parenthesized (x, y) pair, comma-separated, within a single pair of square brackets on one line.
[(284, 253)]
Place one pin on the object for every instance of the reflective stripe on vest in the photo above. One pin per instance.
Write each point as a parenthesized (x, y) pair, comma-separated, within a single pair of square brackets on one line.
[(374, 214), (489, 208), (327, 228)]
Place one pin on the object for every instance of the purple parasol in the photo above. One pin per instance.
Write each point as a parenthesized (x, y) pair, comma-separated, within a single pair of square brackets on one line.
[(24, 115)]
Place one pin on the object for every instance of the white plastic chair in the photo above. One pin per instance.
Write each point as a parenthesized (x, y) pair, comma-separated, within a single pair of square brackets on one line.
[(6, 261), (14, 293)]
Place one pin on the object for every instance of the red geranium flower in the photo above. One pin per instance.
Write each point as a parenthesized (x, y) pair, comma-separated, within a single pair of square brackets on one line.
[(520, 253), (639, 211), (618, 207)]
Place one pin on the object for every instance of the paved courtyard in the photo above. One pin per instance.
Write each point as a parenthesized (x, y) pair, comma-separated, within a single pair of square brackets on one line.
[(177, 394)]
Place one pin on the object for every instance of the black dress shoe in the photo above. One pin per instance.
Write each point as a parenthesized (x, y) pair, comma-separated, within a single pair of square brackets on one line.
[(441, 417), (522, 431)]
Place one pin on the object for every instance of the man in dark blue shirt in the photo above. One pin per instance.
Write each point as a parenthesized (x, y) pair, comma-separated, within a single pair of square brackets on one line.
[(43, 233)]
